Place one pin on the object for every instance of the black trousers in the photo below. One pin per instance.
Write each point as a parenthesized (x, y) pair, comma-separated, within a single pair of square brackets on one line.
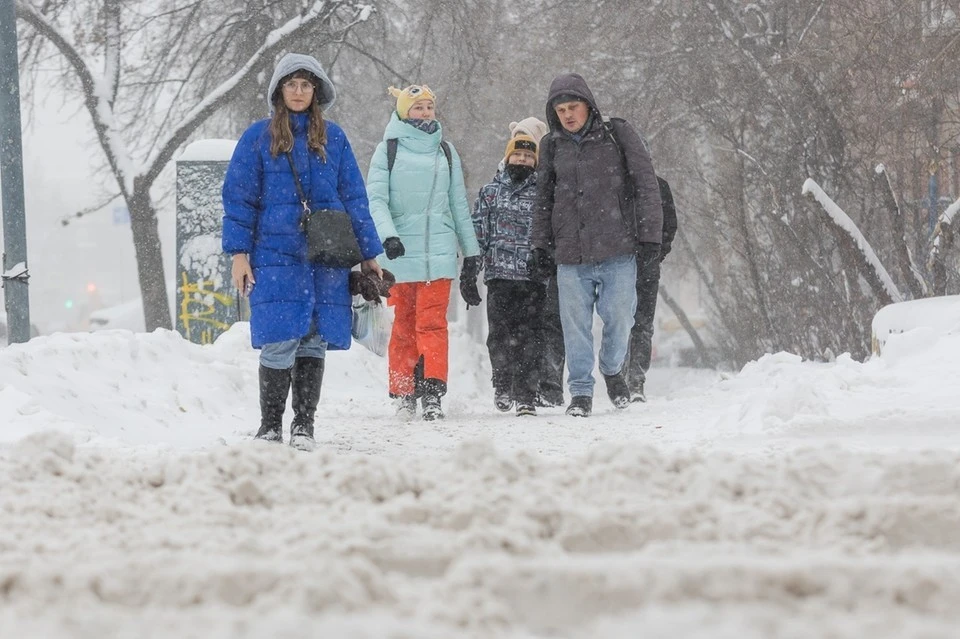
[(641, 335), (552, 356), (514, 310)]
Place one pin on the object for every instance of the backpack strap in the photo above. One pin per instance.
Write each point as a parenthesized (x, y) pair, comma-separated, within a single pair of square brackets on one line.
[(446, 152), (392, 154), (629, 194)]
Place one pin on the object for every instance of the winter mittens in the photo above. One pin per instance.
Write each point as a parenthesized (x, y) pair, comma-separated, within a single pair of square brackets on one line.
[(468, 281), (371, 287), (393, 248)]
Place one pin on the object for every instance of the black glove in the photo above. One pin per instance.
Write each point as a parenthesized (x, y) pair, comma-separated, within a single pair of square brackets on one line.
[(365, 286), (393, 247), (469, 292), (468, 281), (665, 250), (541, 265), (647, 252)]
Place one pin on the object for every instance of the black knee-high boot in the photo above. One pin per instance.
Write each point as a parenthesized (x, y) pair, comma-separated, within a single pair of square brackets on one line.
[(274, 386), (307, 380)]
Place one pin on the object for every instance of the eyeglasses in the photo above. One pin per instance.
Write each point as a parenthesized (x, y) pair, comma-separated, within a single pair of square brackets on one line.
[(298, 86)]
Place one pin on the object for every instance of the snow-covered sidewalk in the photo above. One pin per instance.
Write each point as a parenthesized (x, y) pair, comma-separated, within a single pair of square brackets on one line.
[(788, 500)]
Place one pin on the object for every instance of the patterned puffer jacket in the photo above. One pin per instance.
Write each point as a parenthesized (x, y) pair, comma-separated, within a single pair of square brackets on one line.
[(503, 221)]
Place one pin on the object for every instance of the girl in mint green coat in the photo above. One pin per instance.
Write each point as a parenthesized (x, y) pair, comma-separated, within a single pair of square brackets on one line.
[(419, 205)]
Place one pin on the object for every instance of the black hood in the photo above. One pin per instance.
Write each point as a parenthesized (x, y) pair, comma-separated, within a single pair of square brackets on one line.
[(568, 84)]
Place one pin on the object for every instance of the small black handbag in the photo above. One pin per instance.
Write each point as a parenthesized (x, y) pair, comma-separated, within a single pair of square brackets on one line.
[(330, 237)]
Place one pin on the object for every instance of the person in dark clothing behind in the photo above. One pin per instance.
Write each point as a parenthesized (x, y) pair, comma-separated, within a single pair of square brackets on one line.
[(648, 286), (502, 220), (641, 335), (588, 230)]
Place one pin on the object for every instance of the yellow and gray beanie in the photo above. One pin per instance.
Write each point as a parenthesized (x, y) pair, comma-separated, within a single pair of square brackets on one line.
[(407, 97)]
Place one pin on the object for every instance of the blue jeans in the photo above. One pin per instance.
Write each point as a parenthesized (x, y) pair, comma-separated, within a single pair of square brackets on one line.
[(611, 286), (281, 355)]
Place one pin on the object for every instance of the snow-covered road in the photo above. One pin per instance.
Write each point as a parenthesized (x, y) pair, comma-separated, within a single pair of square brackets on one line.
[(788, 500)]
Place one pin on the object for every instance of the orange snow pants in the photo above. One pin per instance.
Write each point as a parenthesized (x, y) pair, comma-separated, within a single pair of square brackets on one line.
[(419, 330)]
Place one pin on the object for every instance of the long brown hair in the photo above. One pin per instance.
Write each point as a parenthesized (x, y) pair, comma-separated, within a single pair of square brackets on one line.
[(281, 135)]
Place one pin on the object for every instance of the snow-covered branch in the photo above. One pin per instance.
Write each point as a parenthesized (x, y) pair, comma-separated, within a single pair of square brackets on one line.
[(273, 43), (111, 70), (950, 213), (842, 221)]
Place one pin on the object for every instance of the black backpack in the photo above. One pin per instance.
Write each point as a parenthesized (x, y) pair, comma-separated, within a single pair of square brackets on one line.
[(392, 154), (666, 194)]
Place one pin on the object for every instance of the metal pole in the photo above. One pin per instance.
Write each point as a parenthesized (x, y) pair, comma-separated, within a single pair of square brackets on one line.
[(15, 273)]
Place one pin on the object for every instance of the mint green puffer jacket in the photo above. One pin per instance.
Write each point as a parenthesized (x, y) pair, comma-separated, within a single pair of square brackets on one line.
[(431, 228)]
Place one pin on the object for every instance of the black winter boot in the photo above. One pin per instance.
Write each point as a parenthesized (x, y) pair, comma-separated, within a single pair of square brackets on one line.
[(433, 389), (580, 406), (307, 379), (274, 386), (617, 390)]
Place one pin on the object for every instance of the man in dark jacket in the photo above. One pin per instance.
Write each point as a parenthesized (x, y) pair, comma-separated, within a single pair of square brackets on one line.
[(648, 286), (598, 206)]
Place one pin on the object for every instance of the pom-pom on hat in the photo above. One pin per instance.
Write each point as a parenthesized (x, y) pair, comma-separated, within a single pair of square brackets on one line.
[(530, 126), (521, 143), (407, 97)]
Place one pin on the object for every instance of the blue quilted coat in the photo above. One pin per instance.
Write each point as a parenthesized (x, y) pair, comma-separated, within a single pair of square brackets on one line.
[(262, 215), (423, 202)]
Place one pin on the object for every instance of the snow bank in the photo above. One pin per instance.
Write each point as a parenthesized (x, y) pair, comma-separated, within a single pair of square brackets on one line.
[(793, 499), (259, 540), (940, 315)]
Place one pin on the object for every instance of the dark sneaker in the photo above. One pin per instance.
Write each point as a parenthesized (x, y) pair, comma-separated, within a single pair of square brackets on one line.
[(580, 406), (406, 406), (526, 408), (617, 390), (268, 434), (503, 402), (432, 410), (636, 394)]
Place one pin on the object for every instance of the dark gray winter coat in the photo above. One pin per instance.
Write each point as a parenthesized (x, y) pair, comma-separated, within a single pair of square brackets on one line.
[(583, 212)]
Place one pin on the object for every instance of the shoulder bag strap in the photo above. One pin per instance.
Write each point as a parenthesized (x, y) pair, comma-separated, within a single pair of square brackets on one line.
[(296, 179)]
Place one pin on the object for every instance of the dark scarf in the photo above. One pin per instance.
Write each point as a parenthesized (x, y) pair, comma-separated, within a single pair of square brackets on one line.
[(427, 126), (519, 173)]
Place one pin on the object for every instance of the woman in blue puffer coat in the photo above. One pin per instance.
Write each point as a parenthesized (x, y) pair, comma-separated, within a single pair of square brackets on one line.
[(298, 310)]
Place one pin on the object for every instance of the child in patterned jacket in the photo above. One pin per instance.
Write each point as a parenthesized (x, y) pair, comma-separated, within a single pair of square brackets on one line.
[(503, 220)]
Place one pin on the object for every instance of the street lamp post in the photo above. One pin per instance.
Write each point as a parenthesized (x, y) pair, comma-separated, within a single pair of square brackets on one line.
[(15, 274)]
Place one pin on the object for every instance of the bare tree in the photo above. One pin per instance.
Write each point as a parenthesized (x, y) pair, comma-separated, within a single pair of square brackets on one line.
[(151, 74)]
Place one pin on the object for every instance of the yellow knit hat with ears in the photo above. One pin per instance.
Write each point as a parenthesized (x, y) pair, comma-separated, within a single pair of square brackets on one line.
[(407, 97), (521, 143)]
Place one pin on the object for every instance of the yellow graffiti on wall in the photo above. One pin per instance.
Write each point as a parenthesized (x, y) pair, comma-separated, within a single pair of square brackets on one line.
[(203, 306)]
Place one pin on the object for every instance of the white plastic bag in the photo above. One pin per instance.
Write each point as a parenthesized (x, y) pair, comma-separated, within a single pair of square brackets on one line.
[(372, 325)]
